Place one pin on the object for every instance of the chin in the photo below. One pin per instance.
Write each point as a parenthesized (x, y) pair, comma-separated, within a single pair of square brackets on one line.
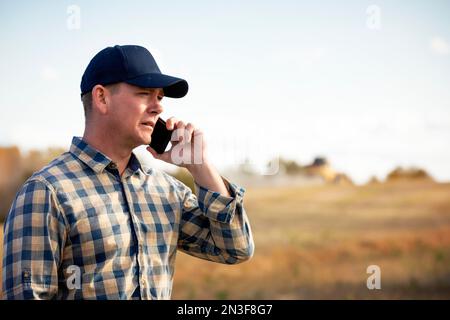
[(138, 141), (145, 140)]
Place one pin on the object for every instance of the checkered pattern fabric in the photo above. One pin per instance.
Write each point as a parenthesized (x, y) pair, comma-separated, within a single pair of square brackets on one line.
[(79, 230)]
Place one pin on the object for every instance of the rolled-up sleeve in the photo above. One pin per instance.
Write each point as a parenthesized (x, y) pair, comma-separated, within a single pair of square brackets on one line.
[(34, 234), (216, 227)]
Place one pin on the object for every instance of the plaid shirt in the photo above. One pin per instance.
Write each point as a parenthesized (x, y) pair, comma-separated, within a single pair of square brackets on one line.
[(120, 233)]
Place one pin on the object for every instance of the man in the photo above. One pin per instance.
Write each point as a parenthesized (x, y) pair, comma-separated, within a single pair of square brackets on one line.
[(95, 223)]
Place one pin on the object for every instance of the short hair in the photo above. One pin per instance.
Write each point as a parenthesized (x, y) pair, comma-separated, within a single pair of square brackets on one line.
[(86, 99)]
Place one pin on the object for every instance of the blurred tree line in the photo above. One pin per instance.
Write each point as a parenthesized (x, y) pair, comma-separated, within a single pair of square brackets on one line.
[(412, 173), (16, 168)]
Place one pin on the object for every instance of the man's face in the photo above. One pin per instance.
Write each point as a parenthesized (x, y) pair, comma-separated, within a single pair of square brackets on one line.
[(134, 112)]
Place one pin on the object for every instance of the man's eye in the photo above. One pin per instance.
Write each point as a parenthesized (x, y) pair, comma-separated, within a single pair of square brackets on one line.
[(160, 98), (144, 93)]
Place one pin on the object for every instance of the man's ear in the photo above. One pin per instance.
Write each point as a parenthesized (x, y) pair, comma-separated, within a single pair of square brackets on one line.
[(100, 99)]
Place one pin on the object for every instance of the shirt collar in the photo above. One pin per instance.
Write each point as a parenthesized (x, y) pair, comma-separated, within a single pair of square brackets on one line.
[(96, 160)]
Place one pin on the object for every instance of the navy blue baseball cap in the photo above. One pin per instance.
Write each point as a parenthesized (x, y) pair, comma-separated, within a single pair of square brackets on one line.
[(131, 64)]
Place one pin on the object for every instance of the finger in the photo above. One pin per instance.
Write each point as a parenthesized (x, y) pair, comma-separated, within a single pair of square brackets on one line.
[(189, 132), (197, 134), (180, 125), (163, 157), (179, 132), (175, 138), (170, 123), (153, 152)]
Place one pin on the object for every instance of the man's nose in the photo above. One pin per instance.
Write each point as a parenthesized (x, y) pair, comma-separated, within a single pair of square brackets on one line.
[(155, 107)]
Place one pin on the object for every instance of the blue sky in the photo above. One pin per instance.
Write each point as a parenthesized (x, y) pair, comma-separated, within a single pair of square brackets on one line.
[(267, 78)]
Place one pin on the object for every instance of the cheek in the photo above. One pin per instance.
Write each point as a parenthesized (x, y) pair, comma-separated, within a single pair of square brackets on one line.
[(118, 118), (125, 121), (122, 115), (128, 113)]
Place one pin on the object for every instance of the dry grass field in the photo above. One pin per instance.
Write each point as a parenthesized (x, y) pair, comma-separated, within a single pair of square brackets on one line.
[(317, 242)]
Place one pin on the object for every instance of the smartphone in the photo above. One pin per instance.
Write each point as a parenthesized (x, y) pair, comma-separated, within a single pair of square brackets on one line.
[(160, 136)]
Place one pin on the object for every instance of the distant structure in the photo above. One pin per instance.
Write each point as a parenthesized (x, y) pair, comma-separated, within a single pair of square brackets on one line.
[(290, 174), (322, 168)]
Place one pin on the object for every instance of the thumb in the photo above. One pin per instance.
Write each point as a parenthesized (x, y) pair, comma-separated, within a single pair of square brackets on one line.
[(164, 156)]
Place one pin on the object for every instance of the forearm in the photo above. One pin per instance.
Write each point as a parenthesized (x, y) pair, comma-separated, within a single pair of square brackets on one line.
[(225, 242), (215, 226), (207, 176)]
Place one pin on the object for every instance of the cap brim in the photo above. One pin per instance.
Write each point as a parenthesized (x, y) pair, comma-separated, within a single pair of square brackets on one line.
[(173, 87)]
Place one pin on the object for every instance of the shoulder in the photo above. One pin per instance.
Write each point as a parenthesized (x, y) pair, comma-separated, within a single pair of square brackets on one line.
[(39, 189), (54, 172)]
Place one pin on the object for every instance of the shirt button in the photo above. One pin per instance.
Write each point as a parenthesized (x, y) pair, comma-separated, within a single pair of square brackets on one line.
[(112, 165)]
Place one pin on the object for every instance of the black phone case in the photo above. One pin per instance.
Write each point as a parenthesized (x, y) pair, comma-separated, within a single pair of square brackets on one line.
[(160, 136)]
